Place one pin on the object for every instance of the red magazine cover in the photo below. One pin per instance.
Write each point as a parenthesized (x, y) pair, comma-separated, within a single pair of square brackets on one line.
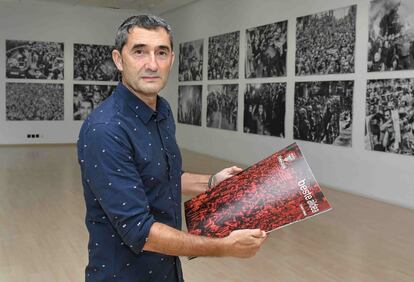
[(272, 193)]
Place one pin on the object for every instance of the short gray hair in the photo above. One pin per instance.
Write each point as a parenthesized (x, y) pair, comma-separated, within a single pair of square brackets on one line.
[(142, 21)]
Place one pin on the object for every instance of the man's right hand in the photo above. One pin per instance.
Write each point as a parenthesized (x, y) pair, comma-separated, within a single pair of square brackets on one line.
[(244, 243)]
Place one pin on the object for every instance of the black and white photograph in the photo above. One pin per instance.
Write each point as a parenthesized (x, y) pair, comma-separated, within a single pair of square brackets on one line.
[(325, 42), (86, 98), (222, 106), (190, 65), (34, 60), (389, 121), (265, 108), (223, 56), (189, 104), (323, 112), (266, 48), (34, 101), (391, 35), (94, 62)]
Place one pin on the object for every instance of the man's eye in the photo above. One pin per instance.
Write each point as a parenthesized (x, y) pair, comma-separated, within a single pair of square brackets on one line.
[(139, 52)]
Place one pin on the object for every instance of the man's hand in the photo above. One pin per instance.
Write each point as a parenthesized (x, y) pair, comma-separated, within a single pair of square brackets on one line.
[(244, 243), (224, 174)]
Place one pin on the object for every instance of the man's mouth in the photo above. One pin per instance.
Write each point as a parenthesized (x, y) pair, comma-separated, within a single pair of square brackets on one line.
[(147, 77)]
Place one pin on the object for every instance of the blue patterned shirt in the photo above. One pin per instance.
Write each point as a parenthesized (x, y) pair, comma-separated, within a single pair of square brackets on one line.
[(131, 175)]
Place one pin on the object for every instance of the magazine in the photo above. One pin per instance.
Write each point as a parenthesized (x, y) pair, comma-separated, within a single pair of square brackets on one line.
[(275, 192)]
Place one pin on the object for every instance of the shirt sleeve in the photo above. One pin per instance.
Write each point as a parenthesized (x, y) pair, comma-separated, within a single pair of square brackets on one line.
[(114, 179)]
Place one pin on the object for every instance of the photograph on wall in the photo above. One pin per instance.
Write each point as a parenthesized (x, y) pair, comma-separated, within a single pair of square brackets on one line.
[(34, 101), (222, 106), (223, 56), (189, 104), (34, 60), (86, 98), (266, 48), (391, 35), (264, 109), (190, 65), (325, 42), (389, 121), (94, 62), (323, 112)]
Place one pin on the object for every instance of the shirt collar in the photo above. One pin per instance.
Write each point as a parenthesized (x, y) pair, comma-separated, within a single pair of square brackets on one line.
[(140, 108)]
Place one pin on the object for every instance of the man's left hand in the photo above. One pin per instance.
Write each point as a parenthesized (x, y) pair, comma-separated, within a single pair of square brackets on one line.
[(224, 174)]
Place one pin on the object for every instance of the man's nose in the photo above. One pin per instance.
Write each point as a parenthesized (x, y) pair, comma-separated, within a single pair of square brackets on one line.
[(152, 63)]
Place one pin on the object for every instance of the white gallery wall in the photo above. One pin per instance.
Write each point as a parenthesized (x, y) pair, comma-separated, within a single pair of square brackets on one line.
[(52, 23), (384, 176)]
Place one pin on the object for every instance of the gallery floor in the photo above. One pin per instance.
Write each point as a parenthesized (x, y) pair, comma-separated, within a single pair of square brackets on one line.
[(42, 235)]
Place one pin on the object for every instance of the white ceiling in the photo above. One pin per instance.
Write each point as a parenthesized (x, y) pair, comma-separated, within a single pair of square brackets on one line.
[(152, 6)]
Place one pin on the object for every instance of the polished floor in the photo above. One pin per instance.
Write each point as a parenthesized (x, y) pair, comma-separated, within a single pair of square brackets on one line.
[(43, 238)]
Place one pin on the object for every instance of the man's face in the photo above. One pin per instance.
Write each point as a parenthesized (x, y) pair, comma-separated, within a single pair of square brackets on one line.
[(85, 109), (387, 115), (96, 97), (145, 61)]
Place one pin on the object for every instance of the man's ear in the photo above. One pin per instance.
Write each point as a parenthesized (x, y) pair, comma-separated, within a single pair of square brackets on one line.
[(172, 60), (117, 58)]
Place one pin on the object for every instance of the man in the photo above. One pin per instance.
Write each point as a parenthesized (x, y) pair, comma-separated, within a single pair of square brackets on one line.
[(85, 108), (131, 171)]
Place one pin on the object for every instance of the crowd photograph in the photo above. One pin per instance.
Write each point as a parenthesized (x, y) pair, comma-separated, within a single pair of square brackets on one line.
[(190, 61), (389, 122), (264, 109), (323, 112), (94, 62), (325, 42), (34, 60), (223, 56), (34, 101), (266, 48), (391, 35), (222, 106), (88, 97), (189, 104)]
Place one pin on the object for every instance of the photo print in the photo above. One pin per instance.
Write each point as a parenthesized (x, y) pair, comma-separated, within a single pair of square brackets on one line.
[(325, 42), (34, 101), (86, 98), (266, 48), (323, 112), (265, 108), (94, 62), (389, 121), (223, 56), (222, 106), (190, 65), (34, 60), (391, 35)]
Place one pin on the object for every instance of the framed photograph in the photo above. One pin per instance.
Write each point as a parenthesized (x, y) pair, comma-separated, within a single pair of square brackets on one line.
[(391, 35), (389, 121), (265, 108), (86, 98), (34, 101), (266, 48), (189, 104), (325, 42), (94, 62), (323, 112), (34, 60), (190, 65), (223, 56), (222, 106)]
